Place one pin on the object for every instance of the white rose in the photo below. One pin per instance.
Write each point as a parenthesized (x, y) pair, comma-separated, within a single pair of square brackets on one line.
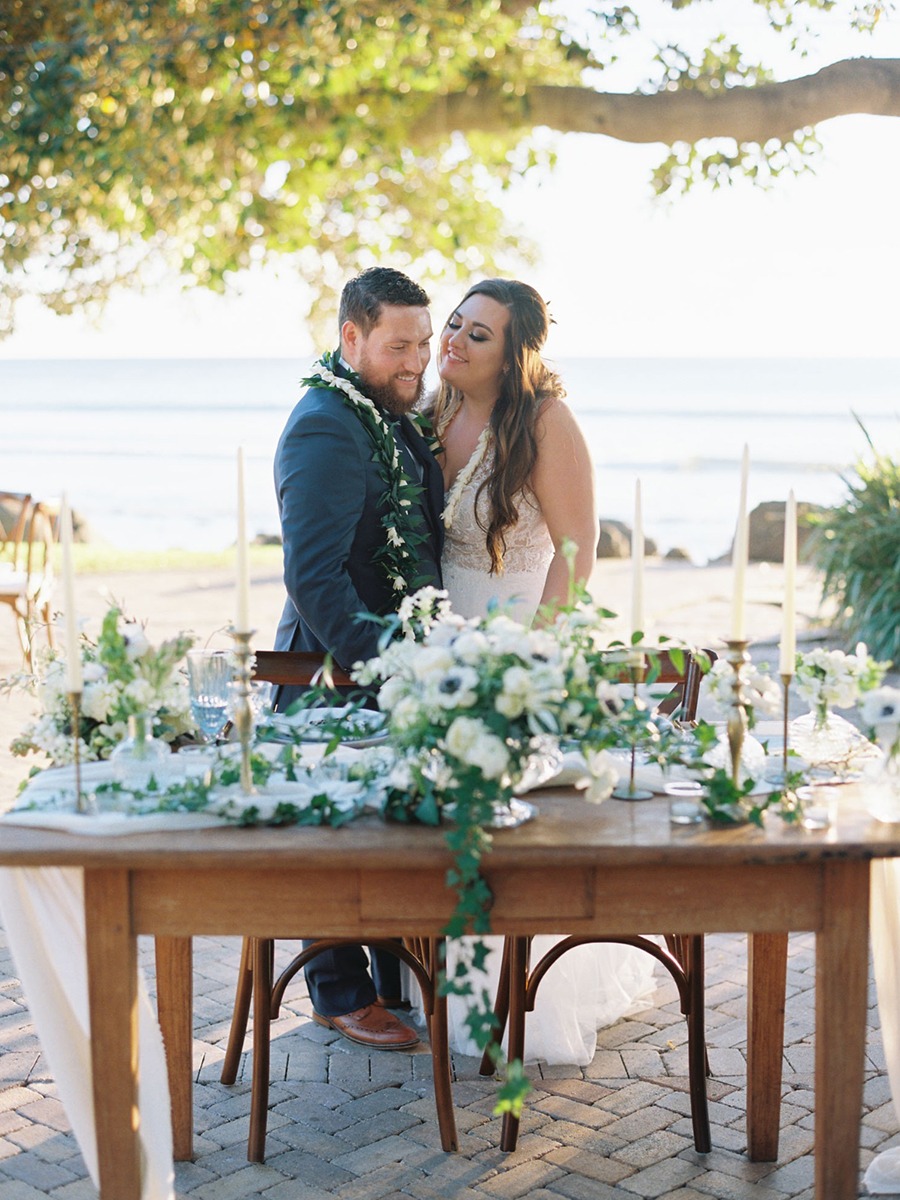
[(469, 740), (98, 699), (405, 713), (391, 692), (141, 694), (462, 735), (518, 693)]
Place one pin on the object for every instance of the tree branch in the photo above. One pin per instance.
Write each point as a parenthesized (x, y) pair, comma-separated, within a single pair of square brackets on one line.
[(748, 114)]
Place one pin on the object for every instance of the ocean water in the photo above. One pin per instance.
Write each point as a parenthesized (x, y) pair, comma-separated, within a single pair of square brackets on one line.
[(146, 448)]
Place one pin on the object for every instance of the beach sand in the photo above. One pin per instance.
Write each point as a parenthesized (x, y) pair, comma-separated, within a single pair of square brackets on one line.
[(682, 601)]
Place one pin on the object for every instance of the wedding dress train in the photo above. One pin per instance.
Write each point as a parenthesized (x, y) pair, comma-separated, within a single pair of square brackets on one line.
[(590, 986)]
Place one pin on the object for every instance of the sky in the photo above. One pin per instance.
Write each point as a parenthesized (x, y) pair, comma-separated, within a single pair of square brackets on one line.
[(808, 268)]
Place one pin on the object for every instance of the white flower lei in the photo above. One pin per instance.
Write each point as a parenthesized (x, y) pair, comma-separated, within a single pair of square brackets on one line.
[(462, 479), (401, 537)]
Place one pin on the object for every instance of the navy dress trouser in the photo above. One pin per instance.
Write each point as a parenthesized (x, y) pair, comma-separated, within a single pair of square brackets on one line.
[(339, 981)]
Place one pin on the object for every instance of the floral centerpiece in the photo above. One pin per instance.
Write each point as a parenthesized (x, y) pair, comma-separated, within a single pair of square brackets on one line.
[(470, 704), (124, 675)]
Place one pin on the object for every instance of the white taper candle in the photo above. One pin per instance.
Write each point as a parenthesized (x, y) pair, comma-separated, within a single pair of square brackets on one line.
[(637, 565), (739, 556), (242, 612), (74, 674), (789, 630)]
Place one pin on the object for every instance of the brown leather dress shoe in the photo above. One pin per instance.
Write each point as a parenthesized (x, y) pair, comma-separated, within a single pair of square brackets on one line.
[(373, 1027)]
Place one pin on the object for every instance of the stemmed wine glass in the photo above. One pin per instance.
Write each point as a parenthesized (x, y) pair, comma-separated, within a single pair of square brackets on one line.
[(209, 674)]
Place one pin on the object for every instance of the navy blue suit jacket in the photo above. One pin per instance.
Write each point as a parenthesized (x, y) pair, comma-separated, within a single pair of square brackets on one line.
[(329, 491)]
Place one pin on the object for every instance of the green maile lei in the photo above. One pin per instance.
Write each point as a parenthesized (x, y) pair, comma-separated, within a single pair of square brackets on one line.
[(403, 535)]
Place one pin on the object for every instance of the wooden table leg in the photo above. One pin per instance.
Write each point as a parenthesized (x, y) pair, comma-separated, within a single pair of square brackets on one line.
[(112, 992), (842, 962), (767, 982), (174, 1002)]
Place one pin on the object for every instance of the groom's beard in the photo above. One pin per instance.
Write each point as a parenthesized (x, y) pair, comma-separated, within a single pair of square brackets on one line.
[(387, 395)]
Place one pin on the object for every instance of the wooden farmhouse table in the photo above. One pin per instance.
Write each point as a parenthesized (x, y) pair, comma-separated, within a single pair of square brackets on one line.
[(614, 869)]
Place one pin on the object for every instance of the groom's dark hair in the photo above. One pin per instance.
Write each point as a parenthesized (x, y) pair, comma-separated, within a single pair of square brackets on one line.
[(363, 297)]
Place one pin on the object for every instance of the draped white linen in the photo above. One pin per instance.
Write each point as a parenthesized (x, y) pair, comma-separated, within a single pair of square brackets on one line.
[(43, 915), (883, 1174)]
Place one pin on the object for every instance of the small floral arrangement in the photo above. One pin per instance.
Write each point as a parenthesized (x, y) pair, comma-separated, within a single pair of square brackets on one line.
[(832, 679), (759, 691), (124, 675), (880, 712)]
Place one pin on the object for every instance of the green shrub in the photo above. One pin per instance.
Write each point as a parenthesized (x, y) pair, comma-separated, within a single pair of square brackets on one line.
[(858, 548)]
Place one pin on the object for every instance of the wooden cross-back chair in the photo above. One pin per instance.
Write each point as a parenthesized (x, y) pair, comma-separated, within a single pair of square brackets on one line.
[(256, 974), (682, 957), (27, 530)]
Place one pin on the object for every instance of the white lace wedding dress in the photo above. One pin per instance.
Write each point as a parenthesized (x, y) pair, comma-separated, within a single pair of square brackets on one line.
[(590, 986)]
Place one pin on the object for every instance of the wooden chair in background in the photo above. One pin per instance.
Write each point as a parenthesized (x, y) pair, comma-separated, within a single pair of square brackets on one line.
[(256, 981), (27, 533), (682, 956)]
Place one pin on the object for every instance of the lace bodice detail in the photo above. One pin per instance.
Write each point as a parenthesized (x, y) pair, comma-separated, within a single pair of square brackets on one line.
[(528, 544), (466, 564)]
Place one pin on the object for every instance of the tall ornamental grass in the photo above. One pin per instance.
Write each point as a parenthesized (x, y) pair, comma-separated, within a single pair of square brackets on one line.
[(858, 548)]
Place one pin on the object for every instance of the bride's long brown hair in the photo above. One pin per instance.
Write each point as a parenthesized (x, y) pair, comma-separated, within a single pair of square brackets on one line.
[(526, 383)]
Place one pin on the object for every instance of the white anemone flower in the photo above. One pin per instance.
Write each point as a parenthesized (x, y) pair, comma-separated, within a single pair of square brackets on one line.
[(136, 643), (880, 708), (458, 688), (432, 660)]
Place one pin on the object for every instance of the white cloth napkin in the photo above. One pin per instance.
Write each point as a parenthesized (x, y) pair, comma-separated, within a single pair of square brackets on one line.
[(43, 915)]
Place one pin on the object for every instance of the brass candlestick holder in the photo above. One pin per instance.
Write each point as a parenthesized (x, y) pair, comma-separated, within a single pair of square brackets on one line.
[(81, 803), (737, 716), (637, 671), (786, 683), (242, 717)]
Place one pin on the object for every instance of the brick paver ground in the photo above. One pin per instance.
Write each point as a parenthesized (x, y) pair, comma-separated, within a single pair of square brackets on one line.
[(347, 1124)]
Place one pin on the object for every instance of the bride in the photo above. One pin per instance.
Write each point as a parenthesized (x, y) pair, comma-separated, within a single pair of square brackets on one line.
[(520, 482)]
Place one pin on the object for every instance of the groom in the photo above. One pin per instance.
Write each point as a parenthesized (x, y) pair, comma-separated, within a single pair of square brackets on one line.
[(360, 497)]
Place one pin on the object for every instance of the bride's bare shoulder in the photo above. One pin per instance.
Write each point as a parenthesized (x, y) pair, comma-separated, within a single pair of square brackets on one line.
[(555, 419)]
